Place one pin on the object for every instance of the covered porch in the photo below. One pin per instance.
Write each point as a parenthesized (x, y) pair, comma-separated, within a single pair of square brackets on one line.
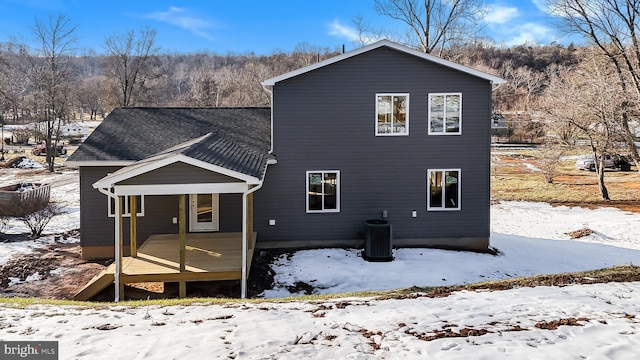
[(195, 173), (208, 257)]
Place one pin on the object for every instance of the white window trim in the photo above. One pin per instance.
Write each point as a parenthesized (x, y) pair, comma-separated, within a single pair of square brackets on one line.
[(126, 213), (443, 208), (406, 133), (306, 192), (214, 225), (444, 125)]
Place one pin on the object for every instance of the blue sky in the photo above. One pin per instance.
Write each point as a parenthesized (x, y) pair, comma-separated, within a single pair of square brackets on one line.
[(259, 26)]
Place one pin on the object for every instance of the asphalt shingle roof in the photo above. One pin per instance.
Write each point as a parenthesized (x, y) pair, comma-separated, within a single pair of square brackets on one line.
[(234, 138)]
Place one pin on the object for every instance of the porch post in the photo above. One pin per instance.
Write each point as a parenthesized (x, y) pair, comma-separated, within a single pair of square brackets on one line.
[(243, 281), (182, 235), (118, 245), (133, 226)]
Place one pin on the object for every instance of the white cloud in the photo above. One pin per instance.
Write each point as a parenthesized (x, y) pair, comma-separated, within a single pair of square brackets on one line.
[(180, 17), (541, 5), (529, 33), (344, 31), (350, 33), (501, 14)]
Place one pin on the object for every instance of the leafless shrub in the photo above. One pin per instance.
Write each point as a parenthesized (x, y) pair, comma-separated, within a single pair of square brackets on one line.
[(38, 220), (22, 135), (549, 157), (28, 206)]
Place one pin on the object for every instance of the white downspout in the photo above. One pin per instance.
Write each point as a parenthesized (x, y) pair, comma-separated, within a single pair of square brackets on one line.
[(116, 276), (269, 89), (243, 281)]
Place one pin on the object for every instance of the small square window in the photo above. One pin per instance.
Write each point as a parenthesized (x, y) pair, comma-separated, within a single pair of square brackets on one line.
[(443, 189), (323, 191)]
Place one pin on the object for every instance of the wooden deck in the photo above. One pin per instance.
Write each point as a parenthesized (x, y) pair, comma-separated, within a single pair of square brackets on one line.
[(209, 257)]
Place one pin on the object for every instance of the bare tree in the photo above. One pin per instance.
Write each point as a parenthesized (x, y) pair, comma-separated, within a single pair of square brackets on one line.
[(128, 67), (51, 75), (13, 81), (92, 95), (203, 90), (613, 26), (433, 25), (589, 98)]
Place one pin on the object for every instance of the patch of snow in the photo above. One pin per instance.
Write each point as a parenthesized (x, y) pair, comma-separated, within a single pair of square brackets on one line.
[(8, 249), (531, 167), (27, 163), (530, 237), (572, 157), (33, 277), (350, 328)]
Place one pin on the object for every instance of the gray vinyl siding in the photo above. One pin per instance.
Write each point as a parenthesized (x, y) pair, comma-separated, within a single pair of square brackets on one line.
[(178, 173), (159, 212), (325, 120)]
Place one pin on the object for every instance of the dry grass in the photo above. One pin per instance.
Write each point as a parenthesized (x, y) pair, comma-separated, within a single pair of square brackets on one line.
[(622, 273), (512, 179)]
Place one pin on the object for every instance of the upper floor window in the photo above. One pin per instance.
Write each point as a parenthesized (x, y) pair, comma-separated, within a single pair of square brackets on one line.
[(445, 114), (126, 212), (323, 191), (392, 114), (443, 191)]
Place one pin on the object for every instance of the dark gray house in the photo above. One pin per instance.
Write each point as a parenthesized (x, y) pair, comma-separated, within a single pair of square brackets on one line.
[(383, 131)]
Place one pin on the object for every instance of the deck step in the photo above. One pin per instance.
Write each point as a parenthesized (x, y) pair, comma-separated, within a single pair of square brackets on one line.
[(97, 284)]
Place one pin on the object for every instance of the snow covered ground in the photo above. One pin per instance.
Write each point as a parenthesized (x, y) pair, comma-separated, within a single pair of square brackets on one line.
[(519, 324), (530, 237), (604, 319)]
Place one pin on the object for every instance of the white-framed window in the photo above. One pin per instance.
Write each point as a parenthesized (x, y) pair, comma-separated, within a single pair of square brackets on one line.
[(204, 212), (443, 189), (127, 204), (392, 114), (445, 114), (323, 191)]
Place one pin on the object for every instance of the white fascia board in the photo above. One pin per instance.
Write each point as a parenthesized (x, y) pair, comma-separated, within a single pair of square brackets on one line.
[(142, 168), (269, 83), (176, 189)]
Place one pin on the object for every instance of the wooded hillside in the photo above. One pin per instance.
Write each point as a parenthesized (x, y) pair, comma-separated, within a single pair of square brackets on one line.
[(211, 79)]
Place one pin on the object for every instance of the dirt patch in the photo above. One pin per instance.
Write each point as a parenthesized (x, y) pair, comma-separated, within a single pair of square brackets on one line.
[(56, 271), (553, 325), (580, 233), (447, 332), (624, 205), (625, 273)]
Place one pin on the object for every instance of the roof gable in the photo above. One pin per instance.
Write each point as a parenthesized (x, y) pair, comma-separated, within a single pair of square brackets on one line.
[(383, 43), (150, 165)]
